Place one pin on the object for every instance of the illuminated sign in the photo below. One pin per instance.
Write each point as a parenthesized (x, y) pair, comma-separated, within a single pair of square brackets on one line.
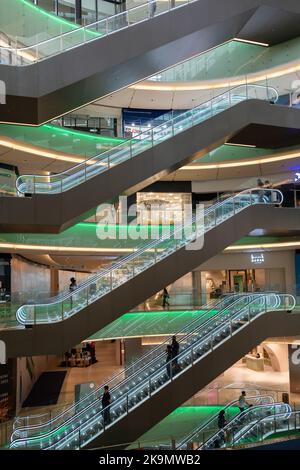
[(257, 258)]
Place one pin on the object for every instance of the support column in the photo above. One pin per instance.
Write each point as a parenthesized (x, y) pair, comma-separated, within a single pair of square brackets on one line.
[(199, 295), (54, 281)]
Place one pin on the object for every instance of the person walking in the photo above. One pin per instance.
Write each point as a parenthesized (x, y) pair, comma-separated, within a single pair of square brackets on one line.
[(106, 402), (165, 297), (242, 402)]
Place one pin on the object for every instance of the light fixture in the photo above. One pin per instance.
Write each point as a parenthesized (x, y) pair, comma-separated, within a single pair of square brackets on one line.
[(264, 246), (239, 145), (248, 41), (247, 162)]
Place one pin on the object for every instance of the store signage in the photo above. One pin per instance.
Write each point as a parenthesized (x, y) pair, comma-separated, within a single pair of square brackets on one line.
[(257, 258)]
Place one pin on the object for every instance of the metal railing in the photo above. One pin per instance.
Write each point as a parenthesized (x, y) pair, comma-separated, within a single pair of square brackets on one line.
[(21, 56), (142, 258), (95, 165), (90, 421)]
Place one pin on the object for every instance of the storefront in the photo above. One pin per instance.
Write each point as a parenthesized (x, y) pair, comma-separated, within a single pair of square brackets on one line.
[(246, 272)]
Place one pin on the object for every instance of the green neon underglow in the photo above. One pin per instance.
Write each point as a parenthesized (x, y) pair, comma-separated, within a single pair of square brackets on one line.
[(84, 235), (53, 17), (83, 135), (180, 423), (26, 24), (137, 324), (232, 59), (60, 139)]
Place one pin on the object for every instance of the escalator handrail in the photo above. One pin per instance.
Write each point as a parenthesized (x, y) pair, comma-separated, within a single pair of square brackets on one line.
[(203, 339), (267, 418), (134, 140), (143, 358), (249, 410), (143, 248), (90, 25), (202, 426)]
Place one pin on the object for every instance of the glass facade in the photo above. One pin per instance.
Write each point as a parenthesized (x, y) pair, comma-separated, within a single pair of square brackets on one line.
[(82, 11)]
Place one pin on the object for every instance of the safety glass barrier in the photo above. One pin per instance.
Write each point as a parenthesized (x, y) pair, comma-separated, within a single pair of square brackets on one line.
[(209, 309), (198, 317), (157, 373), (268, 427), (240, 426), (15, 53), (141, 258), (53, 184), (211, 426)]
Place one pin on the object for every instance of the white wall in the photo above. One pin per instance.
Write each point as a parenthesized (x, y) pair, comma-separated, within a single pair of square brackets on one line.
[(29, 277), (278, 354)]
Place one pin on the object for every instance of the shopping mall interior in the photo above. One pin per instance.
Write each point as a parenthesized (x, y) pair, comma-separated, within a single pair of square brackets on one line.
[(149, 224)]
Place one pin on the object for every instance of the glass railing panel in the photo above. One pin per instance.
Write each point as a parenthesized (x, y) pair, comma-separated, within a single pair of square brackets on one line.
[(143, 142), (117, 22), (207, 429), (140, 259), (212, 309), (238, 428), (101, 162), (26, 50)]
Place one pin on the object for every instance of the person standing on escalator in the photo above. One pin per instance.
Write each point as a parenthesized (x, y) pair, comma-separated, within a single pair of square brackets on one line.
[(175, 352), (165, 297), (72, 288), (242, 402), (106, 402)]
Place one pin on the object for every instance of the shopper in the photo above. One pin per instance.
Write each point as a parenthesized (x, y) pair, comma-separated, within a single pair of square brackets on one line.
[(106, 402), (165, 297), (73, 284), (259, 183), (175, 352), (242, 402), (169, 365), (152, 7), (72, 287), (221, 419)]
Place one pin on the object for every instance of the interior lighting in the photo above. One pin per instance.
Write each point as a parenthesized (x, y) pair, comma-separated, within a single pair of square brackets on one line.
[(248, 41), (240, 145), (264, 246), (233, 164)]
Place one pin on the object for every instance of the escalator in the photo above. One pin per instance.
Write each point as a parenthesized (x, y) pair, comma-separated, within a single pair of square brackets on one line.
[(209, 434), (50, 77), (58, 323), (60, 200), (153, 387), (243, 428)]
